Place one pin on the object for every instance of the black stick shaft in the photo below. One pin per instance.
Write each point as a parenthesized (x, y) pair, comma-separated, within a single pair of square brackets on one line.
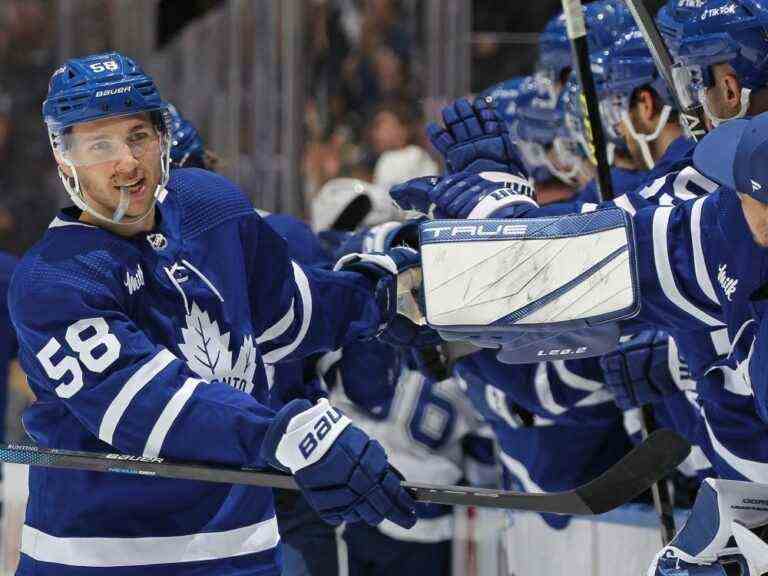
[(577, 32), (629, 477), (661, 490), (691, 116)]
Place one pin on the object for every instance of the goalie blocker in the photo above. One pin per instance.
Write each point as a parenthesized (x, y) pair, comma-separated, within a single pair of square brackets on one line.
[(538, 289)]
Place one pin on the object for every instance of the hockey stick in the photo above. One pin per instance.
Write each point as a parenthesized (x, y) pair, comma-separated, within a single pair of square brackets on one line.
[(577, 33), (661, 491), (656, 457), (691, 116)]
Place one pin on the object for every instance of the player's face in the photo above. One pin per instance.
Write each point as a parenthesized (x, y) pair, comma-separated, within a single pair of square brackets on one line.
[(724, 98), (115, 155)]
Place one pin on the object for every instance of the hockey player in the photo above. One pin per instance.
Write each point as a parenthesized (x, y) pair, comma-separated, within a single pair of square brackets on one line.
[(719, 48), (127, 312), (423, 421), (737, 450)]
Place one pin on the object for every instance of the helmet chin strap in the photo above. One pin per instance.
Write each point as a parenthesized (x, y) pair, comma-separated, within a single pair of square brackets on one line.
[(716, 120), (643, 139)]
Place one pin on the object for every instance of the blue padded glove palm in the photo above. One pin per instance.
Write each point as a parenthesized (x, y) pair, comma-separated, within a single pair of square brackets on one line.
[(386, 270), (344, 474), (474, 138), (638, 372), (467, 195)]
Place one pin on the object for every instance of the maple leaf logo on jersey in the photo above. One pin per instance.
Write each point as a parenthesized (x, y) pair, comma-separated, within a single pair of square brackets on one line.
[(207, 352)]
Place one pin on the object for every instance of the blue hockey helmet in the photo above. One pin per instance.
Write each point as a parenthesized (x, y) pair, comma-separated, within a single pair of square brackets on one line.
[(605, 20), (701, 34), (506, 97), (543, 132), (510, 97), (96, 87), (554, 48), (187, 148), (628, 67)]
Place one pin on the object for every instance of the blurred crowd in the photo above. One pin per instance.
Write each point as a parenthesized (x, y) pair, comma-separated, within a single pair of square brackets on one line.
[(363, 109)]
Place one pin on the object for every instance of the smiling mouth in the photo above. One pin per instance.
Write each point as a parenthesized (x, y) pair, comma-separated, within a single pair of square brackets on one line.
[(135, 189)]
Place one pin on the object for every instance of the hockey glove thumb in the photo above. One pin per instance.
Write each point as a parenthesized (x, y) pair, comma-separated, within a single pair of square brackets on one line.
[(343, 473), (397, 290)]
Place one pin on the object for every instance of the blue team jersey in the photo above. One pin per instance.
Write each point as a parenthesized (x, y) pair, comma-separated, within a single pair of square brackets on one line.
[(576, 434), (155, 345), (701, 274), (623, 181)]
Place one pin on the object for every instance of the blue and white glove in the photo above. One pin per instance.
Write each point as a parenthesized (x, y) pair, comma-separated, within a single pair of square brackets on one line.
[(467, 195), (384, 270), (344, 474), (474, 138), (638, 372)]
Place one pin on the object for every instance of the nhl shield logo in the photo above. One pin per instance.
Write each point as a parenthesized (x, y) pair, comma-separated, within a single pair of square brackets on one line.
[(157, 241)]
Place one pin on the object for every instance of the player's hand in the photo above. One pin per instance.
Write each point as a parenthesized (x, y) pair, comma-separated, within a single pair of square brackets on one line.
[(344, 474), (466, 195), (474, 138), (638, 372), (396, 275)]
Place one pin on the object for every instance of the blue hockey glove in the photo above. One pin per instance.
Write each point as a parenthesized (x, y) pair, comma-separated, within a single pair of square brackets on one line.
[(466, 195), (389, 271), (344, 474), (415, 194), (474, 138), (638, 372)]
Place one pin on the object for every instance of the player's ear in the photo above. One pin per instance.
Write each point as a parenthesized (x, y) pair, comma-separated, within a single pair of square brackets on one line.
[(731, 90), (646, 106)]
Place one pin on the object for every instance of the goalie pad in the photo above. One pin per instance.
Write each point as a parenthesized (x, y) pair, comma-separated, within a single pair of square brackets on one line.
[(541, 288)]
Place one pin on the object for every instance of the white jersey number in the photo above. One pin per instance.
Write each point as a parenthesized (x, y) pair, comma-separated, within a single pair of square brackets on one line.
[(97, 339)]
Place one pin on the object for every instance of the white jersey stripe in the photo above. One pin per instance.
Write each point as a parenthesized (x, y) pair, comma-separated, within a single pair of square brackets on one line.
[(664, 269), (278, 328), (698, 253), (750, 469), (306, 302), (116, 552), (625, 204), (168, 417), (133, 386), (543, 389)]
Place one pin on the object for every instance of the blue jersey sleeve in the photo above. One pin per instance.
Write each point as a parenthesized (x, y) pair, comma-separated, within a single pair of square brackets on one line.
[(79, 347), (299, 309), (677, 248)]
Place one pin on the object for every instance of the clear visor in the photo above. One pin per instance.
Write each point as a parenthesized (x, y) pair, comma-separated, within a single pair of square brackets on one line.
[(533, 153), (612, 112), (567, 151), (690, 83), (100, 142), (87, 150)]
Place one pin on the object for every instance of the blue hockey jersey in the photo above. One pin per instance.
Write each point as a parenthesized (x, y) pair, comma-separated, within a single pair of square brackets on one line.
[(576, 433), (155, 345)]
